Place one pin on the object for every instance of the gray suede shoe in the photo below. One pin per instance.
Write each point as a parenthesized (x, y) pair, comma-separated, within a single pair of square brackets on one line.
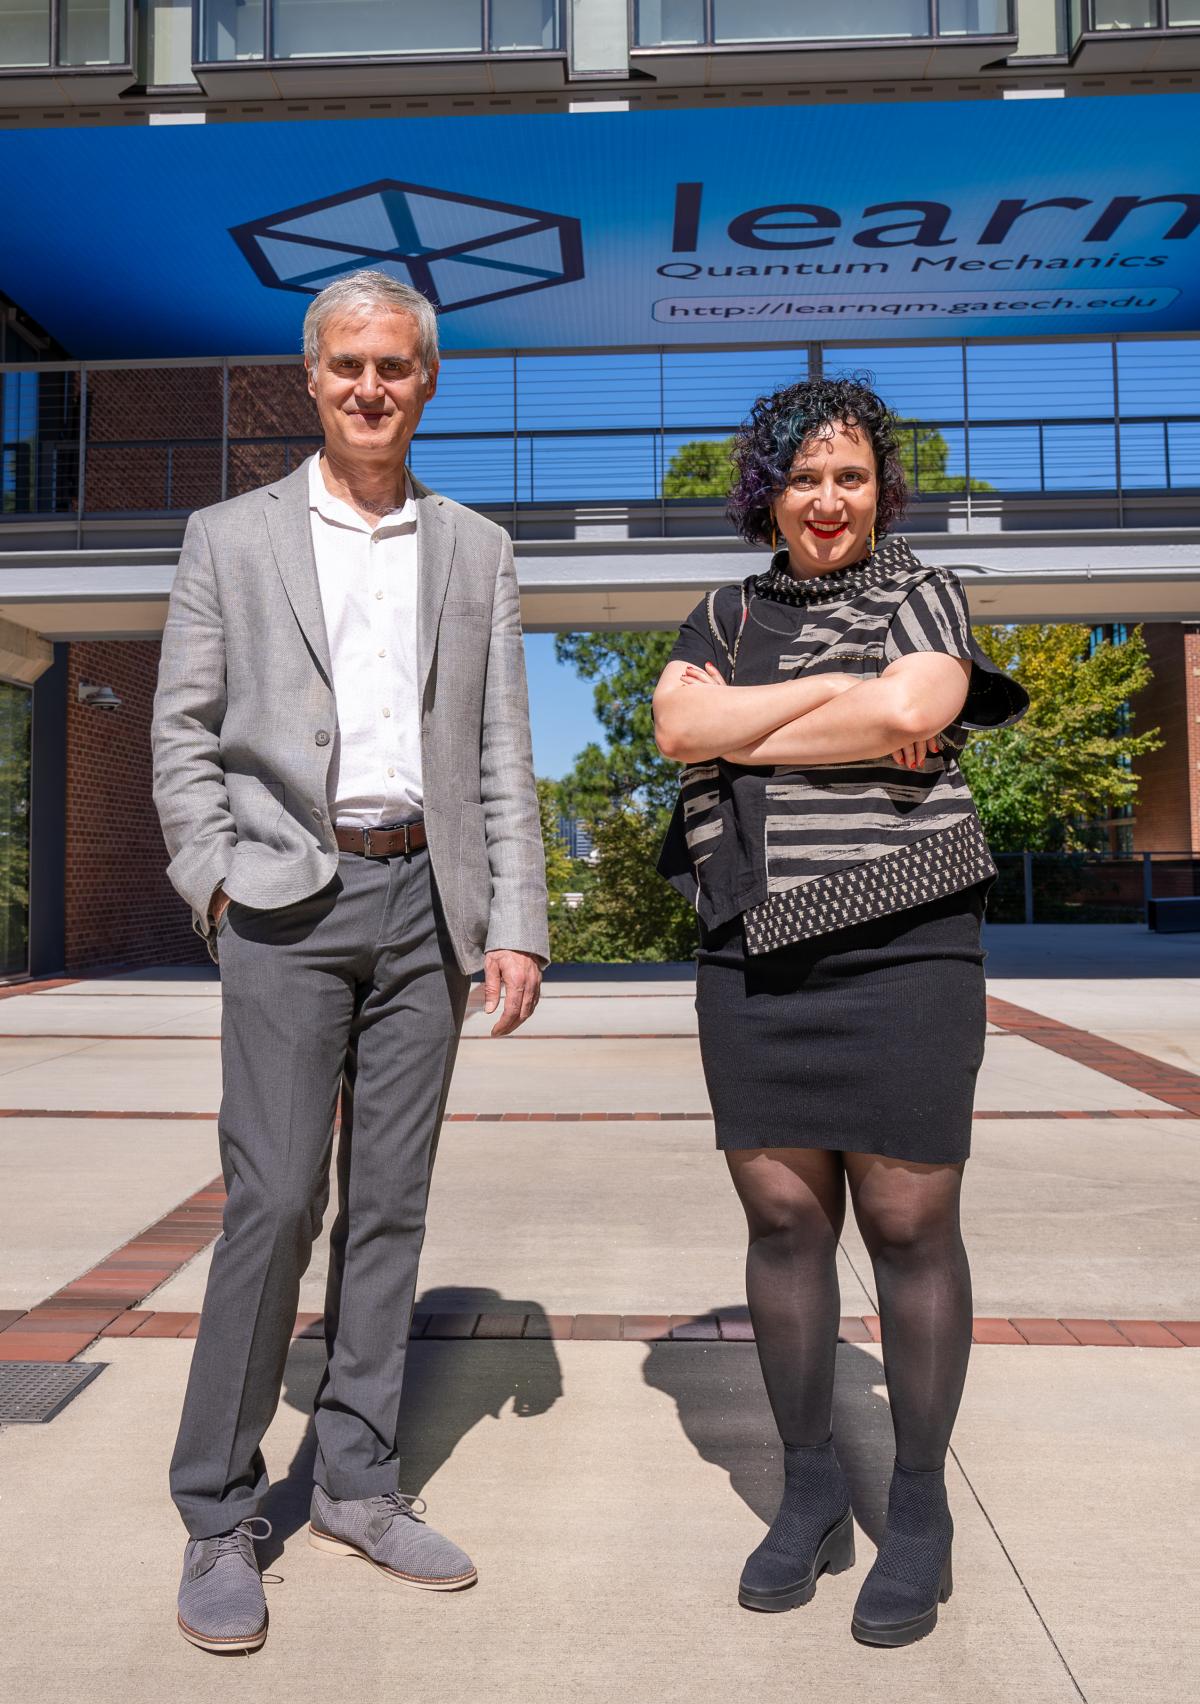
[(222, 1606), (386, 1532)]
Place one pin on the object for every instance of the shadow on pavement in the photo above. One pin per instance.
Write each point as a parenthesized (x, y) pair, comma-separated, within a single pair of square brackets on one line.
[(723, 1412), (1071, 952), (445, 1396)]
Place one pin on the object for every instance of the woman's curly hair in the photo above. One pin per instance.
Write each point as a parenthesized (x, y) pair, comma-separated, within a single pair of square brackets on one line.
[(781, 424)]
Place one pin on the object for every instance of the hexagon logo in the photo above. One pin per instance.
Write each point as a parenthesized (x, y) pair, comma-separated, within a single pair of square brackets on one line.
[(459, 250)]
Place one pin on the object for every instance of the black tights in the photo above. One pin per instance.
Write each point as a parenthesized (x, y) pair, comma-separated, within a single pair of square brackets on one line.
[(795, 1202)]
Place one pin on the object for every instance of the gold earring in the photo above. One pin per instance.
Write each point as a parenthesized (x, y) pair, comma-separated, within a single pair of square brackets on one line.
[(872, 539), (774, 535)]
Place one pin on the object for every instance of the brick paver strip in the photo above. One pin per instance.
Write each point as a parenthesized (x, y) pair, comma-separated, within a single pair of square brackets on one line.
[(500, 1325), (1187, 1331), (165, 1324), (45, 1319), (455, 1325), (595, 1328), (1045, 1332), (556, 1326), (43, 1346), (1170, 1083), (1142, 1333), (1096, 1333), (692, 1328), (23, 1342), (126, 1324), (645, 1328), (530, 1117), (995, 1331)]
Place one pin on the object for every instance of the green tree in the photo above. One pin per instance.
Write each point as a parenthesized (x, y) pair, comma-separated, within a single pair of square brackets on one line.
[(625, 668), (628, 915), (1039, 785), (560, 867), (924, 454), (701, 468)]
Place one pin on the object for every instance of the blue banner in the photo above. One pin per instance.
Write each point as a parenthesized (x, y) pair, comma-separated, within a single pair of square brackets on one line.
[(995, 219)]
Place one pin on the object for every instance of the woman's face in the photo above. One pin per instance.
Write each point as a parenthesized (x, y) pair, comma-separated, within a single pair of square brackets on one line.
[(826, 510)]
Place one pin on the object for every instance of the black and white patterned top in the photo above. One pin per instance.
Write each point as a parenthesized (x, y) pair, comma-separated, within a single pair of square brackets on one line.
[(800, 851)]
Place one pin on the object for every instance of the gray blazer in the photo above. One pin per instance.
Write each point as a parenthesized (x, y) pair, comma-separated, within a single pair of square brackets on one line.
[(244, 717)]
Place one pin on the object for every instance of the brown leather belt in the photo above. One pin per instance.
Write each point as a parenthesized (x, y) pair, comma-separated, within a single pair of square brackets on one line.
[(381, 842)]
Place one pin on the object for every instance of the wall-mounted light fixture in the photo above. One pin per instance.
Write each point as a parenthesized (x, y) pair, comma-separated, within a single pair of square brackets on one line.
[(98, 697)]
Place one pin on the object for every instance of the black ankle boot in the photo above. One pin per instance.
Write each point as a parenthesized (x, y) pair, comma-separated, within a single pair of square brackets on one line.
[(812, 1534), (911, 1575)]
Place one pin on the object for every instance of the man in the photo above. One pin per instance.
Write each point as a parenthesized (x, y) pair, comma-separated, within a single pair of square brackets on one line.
[(343, 773)]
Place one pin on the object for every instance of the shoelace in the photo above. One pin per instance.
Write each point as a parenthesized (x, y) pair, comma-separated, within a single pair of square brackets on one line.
[(394, 1503), (229, 1543)]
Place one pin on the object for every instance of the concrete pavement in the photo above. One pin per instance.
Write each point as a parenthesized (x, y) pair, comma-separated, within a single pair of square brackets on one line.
[(609, 1490)]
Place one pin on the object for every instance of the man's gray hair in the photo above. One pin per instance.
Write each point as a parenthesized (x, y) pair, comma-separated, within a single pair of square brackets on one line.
[(369, 289)]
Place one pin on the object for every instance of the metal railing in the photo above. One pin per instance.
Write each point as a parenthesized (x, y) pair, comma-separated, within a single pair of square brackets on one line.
[(1088, 887), (1115, 419)]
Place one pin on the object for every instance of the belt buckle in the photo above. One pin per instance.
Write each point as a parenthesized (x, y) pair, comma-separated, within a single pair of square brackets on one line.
[(366, 834), (407, 842)]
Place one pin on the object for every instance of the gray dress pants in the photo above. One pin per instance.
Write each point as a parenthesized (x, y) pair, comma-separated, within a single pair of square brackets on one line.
[(356, 990)]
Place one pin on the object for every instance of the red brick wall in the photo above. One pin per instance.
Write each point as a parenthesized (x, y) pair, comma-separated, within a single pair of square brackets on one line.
[(120, 908), (154, 434), (1167, 812)]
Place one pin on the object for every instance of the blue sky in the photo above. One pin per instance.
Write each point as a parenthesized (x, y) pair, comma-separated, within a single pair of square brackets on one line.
[(560, 709)]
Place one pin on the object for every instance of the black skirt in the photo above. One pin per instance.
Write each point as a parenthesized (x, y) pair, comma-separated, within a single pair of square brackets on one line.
[(867, 1040)]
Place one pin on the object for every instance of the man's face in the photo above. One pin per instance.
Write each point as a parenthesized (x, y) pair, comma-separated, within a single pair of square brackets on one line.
[(368, 385)]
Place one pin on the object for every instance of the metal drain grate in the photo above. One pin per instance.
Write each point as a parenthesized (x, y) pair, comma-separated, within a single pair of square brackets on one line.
[(32, 1392)]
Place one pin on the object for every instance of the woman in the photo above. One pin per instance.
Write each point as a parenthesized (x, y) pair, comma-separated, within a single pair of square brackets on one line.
[(831, 847)]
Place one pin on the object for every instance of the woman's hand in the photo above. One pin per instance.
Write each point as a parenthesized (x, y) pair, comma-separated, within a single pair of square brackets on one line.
[(709, 675), (913, 756)]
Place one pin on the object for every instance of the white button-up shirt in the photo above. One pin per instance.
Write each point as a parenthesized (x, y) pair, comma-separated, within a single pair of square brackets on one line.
[(368, 582)]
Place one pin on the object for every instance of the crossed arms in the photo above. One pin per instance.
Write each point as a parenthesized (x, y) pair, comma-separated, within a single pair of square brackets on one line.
[(829, 718)]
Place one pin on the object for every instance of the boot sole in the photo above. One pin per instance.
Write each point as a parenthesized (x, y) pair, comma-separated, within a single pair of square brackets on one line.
[(835, 1554), (893, 1634), (223, 1647), (330, 1546)]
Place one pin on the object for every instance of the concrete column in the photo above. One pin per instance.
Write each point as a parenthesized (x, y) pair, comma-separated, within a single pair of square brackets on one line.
[(24, 655), (599, 45)]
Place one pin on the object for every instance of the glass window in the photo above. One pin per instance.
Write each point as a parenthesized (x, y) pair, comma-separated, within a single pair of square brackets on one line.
[(524, 24), (670, 23), (974, 17), (15, 725), (1183, 14), (814, 20), (92, 32), (313, 29), (231, 30), (24, 32), (1124, 14)]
